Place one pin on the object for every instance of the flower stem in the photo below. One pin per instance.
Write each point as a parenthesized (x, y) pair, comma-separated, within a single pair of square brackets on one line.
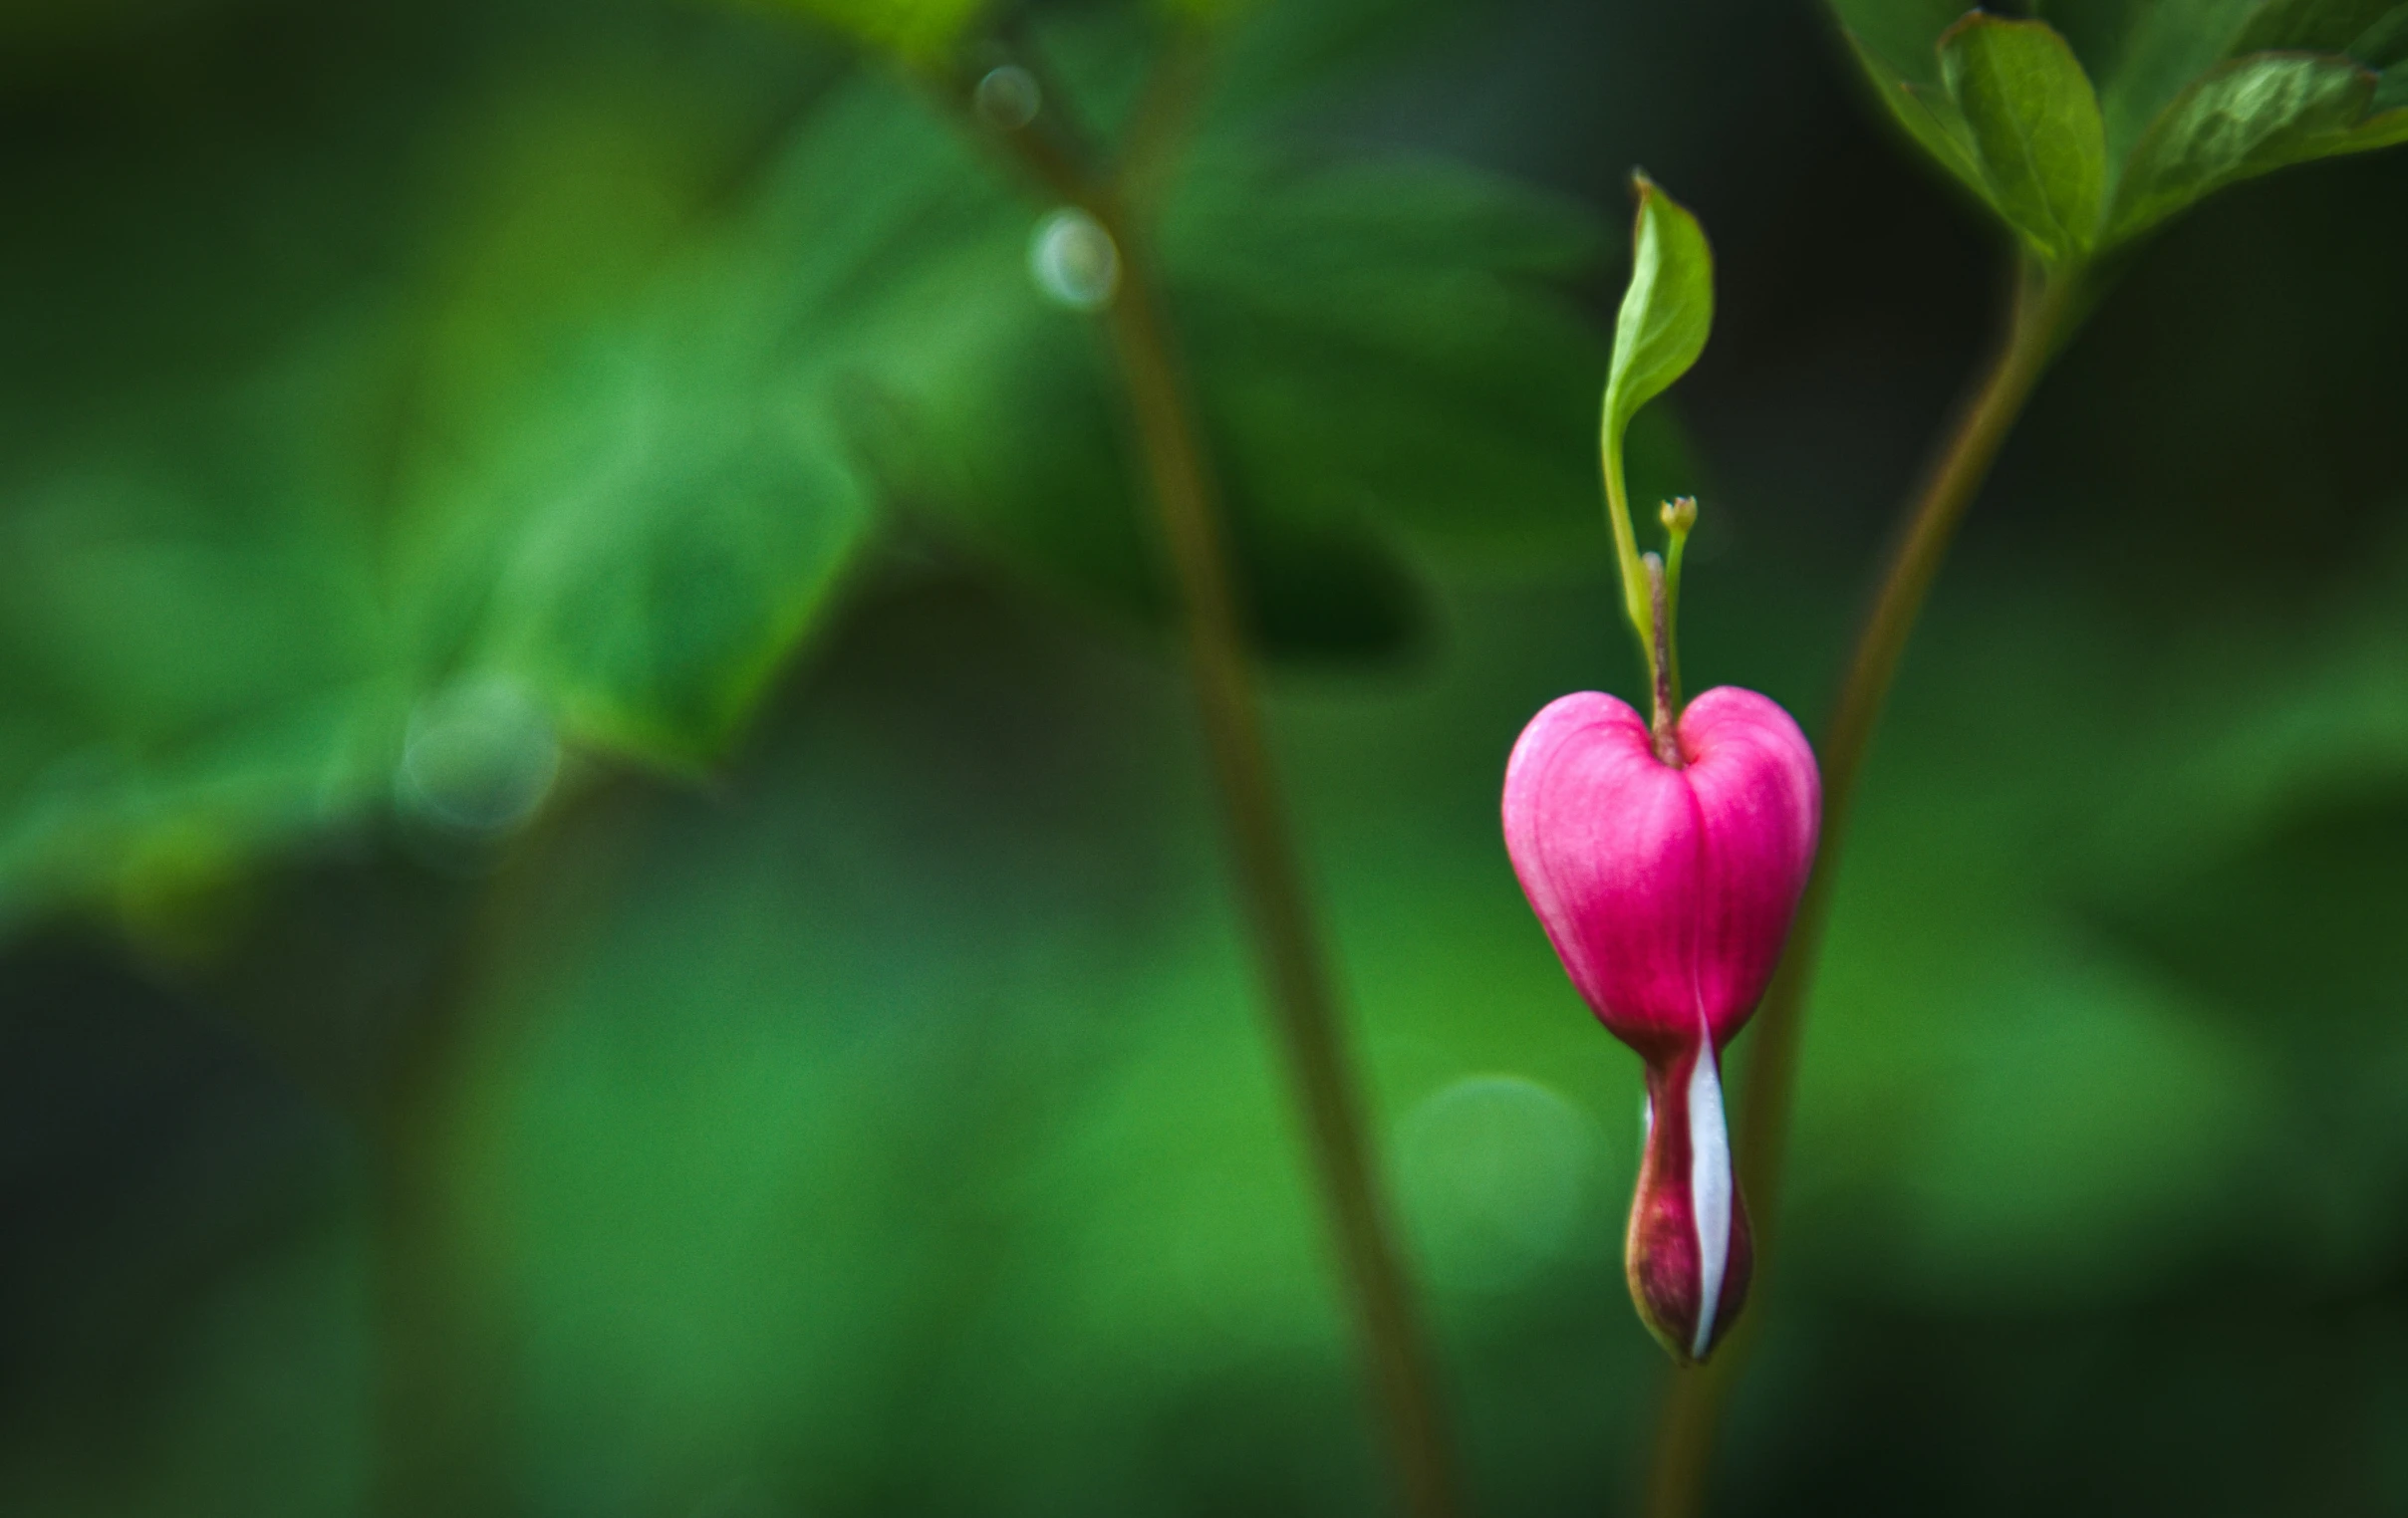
[(1279, 914), (2044, 300), (1626, 544), (1678, 516), (1280, 918), (1665, 722)]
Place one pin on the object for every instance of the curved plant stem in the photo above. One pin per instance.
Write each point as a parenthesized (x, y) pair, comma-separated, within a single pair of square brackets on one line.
[(1278, 910), (2043, 301)]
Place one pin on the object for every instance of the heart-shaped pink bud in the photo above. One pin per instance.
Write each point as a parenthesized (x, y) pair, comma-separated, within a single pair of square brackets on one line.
[(1667, 891)]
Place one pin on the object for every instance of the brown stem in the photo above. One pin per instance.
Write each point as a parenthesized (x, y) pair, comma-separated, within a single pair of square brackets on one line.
[(2043, 299), (1663, 725), (1278, 910), (1165, 116)]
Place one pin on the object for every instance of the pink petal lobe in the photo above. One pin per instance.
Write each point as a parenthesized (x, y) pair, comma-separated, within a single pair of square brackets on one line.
[(1666, 892), (1759, 806), (1604, 838)]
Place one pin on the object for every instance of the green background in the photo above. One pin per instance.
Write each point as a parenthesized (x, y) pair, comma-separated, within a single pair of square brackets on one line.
[(848, 1097)]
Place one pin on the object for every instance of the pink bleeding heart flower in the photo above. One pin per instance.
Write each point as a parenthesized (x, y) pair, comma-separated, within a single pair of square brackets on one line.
[(1667, 889)]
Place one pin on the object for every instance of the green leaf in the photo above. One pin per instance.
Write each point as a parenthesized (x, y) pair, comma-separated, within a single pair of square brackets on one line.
[(656, 538), (1381, 352), (1929, 116), (193, 659), (2003, 106), (1900, 36), (1667, 310), (2165, 47), (2177, 115), (524, 428), (624, 491), (2244, 119), (2383, 45), (2309, 26), (1666, 314), (1386, 344), (2145, 53), (602, 412), (2033, 125)]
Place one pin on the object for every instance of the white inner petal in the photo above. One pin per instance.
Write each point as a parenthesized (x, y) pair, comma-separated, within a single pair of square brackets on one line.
[(1709, 1189)]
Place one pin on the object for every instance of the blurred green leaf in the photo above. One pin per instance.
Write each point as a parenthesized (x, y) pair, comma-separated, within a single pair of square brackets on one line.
[(680, 535), (192, 654), (2163, 46), (2244, 119), (1380, 352), (527, 434), (2310, 26), (2383, 45), (618, 489), (631, 496), (2034, 127), (1383, 346), (976, 400), (612, 407)]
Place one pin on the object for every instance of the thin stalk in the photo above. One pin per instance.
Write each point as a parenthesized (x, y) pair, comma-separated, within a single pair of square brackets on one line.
[(1164, 118), (2044, 302), (1278, 911), (1664, 721), (1678, 517), (1626, 543)]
